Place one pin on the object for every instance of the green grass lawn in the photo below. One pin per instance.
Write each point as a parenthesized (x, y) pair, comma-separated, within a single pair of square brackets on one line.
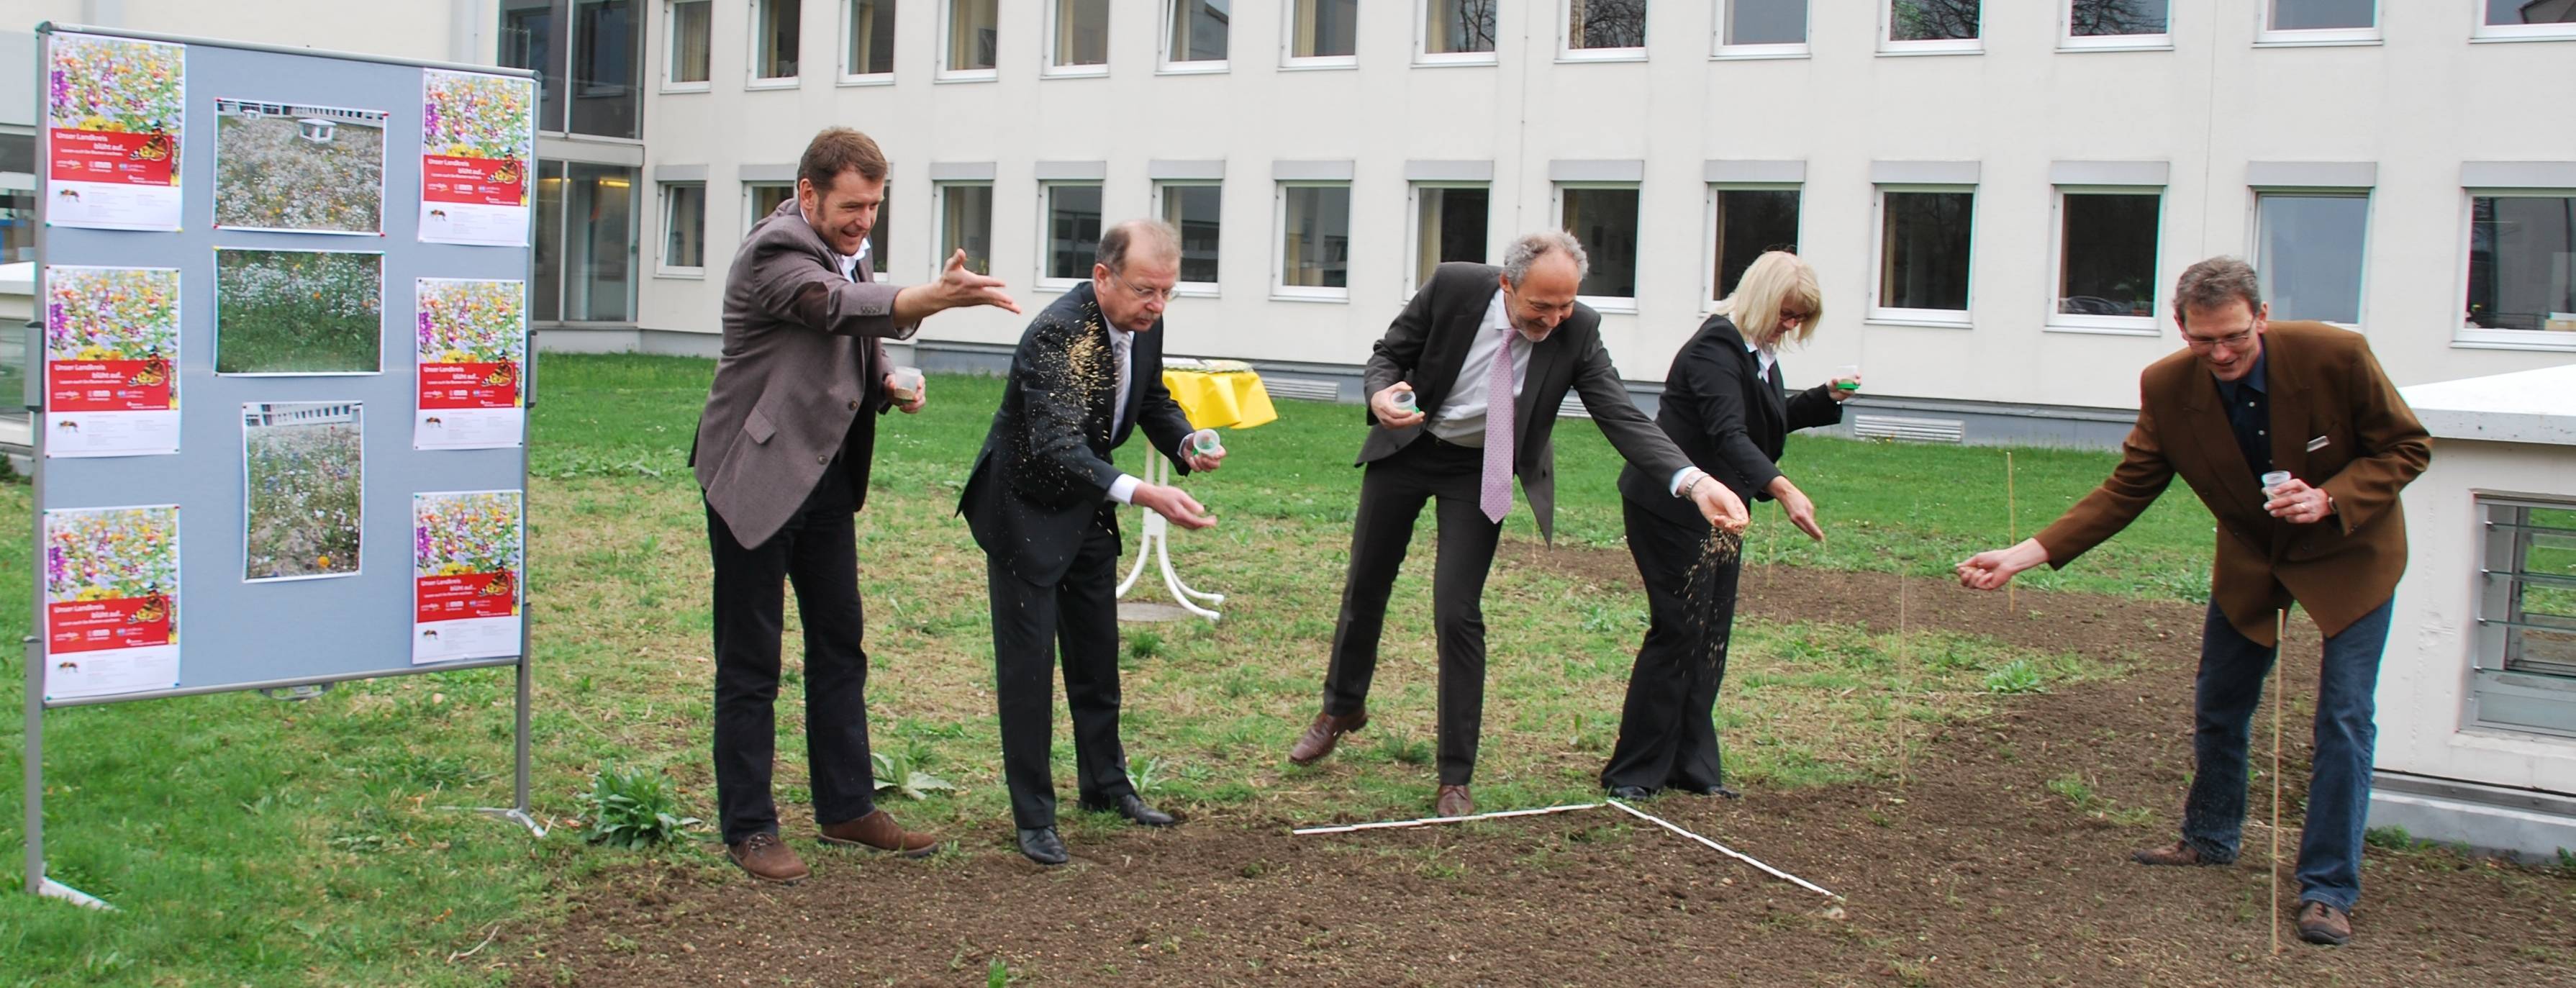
[(254, 841)]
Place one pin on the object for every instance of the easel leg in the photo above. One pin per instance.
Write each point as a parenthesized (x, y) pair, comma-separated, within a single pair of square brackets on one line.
[(34, 794), (520, 813)]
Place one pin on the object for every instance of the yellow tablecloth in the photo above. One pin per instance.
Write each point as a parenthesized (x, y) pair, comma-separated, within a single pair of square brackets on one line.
[(1221, 398)]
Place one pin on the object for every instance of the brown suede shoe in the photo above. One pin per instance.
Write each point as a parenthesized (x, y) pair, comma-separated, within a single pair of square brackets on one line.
[(878, 831), (1320, 736), (767, 858), (2321, 923), (2179, 853), (1454, 801)]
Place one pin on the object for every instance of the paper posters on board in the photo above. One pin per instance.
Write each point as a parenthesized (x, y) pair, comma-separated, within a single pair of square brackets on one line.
[(467, 570), (299, 168), (299, 312), (471, 349), (111, 361), (111, 586), (113, 116), (478, 145), (304, 482)]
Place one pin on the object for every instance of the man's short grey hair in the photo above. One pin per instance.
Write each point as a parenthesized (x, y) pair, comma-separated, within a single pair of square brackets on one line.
[(1154, 237), (2213, 284), (1532, 246)]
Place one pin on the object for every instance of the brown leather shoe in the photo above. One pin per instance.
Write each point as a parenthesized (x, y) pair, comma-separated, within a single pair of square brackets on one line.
[(2321, 923), (1454, 801), (767, 858), (1323, 734), (2179, 853), (878, 831)]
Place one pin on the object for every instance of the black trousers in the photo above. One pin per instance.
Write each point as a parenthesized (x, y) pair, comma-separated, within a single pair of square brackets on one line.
[(1666, 737), (1392, 493), (1030, 622), (818, 552)]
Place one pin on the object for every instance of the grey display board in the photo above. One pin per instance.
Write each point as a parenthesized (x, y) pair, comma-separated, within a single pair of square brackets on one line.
[(236, 634)]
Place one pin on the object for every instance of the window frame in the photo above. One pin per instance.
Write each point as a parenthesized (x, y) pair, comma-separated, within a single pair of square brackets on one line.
[(939, 222), (1720, 50), (662, 266), (2069, 41), (752, 79), (2267, 36), (1163, 62), (751, 216), (1049, 68), (1606, 304), (1413, 223), (947, 42), (1889, 47), (1280, 289), (1709, 259), (1424, 57), (1930, 318), (1046, 228), (2481, 32), (1290, 61), (2369, 227), (842, 76), (1567, 52), (2487, 638), (671, 48), (1195, 289), (2153, 323), (2499, 339)]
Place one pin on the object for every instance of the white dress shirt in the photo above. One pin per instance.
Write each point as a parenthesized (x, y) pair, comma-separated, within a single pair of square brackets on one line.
[(1460, 420)]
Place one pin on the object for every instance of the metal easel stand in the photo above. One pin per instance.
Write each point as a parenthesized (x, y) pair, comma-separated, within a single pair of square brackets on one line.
[(518, 814), (35, 790), (1157, 542)]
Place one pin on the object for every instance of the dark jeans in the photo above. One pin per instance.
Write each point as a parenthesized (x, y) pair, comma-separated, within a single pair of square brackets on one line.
[(1666, 737), (818, 552), (2232, 669), (1079, 614), (1392, 493)]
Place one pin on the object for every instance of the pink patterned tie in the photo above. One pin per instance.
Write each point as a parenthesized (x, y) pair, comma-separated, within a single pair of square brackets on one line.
[(1496, 498)]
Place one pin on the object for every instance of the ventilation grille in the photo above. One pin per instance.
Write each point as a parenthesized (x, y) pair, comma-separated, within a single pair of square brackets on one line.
[(1305, 390), (1909, 429)]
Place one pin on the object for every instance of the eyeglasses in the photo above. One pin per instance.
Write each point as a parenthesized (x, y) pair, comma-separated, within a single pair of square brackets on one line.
[(2231, 341), (1145, 293), (1792, 315)]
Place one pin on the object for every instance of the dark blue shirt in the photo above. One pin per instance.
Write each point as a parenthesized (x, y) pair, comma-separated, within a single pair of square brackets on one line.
[(2249, 415)]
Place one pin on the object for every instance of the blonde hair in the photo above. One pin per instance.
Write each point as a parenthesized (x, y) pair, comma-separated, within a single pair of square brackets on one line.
[(1775, 279)]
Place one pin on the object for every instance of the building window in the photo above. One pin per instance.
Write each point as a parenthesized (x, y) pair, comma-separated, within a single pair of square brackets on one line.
[(586, 243), (2106, 259), (2308, 252), (529, 41), (2117, 24), (1315, 241), (1924, 236), (1930, 27), (607, 65), (867, 49), (1604, 29), (684, 228), (1323, 33), (1072, 232), (1081, 38), (2524, 664), (1198, 35), (759, 199), (877, 235), (1746, 222), (773, 41), (1456, 32), (1761, 28), (1449, 224), (1604, 218), (974, 32), (691, 25), (2314, 22), (2525, 20), (966, 223), (1191, 207), (2522, 263)]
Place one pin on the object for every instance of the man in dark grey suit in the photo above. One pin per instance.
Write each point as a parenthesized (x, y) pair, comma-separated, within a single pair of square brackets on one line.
[(782, 455), (1486, 356), (1043, 504)]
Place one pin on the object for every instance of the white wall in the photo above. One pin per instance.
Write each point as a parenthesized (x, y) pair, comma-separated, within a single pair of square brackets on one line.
[(430, 30)]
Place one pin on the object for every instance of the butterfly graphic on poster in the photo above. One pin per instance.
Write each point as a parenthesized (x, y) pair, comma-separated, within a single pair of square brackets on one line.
[(155, 371), (156, 147), (502, 585), (156, 606), (500, 376)]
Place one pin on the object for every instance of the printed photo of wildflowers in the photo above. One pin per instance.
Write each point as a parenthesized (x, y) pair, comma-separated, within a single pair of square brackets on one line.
[(300, 169), (117, 86), (304, 468), (298, 312)]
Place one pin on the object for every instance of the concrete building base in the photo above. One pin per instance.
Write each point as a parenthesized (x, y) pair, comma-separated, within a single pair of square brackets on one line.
[(2519, 823)]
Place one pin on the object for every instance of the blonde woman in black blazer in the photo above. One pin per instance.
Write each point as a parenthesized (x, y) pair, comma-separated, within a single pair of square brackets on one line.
[(1724, 405)]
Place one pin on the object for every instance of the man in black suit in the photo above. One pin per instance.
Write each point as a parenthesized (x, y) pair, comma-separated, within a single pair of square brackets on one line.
[(1473, 332), (1043, 503)]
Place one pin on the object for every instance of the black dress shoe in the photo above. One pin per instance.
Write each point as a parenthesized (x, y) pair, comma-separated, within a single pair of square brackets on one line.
[(1720, 791), (1629, 793), (1043, 846), (1134, 809)]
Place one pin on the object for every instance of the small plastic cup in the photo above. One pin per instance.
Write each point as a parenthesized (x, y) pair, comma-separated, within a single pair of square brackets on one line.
[(2274, 479), (907, 383), (1205, 443), (1404, 402), (1847, 371)]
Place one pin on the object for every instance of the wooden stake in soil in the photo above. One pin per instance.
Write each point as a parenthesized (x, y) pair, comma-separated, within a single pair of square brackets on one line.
[(2012, 530), (2280, 681)]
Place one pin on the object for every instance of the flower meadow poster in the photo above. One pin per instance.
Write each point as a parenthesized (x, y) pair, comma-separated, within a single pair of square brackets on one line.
[(478, 144), (471, 346), (114, 115), (468, 563), (299, 168), (111, 358), (111, 591)]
